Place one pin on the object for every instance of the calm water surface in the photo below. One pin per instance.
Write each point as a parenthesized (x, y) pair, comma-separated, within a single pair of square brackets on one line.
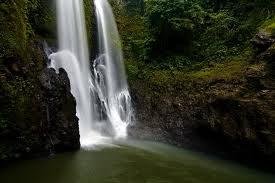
[(131, 162)]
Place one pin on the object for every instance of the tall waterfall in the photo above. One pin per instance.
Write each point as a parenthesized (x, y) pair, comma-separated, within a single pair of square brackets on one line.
[(103, 103), (109, 71)]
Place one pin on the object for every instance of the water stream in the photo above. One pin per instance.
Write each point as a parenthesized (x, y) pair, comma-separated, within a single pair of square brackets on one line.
[(109, 72)]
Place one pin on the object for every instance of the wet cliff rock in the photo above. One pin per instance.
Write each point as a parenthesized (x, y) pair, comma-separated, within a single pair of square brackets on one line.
[(37, 110), (60, 110), (229, 116), (262, 41)]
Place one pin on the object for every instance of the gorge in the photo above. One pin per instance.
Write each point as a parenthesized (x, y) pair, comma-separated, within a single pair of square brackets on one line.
[(200, 78)]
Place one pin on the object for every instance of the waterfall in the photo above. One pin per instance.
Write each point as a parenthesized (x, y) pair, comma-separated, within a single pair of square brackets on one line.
[(109, 71), (103, 102)]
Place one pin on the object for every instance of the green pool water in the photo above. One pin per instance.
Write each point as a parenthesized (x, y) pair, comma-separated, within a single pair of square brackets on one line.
[(131, 162)]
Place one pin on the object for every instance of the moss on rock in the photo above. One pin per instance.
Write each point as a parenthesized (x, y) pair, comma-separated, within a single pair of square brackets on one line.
[(25, 126)]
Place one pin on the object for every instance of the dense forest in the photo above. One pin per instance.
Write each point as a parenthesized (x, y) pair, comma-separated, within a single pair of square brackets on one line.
[(200, 72)]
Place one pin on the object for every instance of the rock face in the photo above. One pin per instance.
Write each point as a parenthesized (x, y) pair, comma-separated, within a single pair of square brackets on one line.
[(262, 41), (220, 117), (38, 112), (233, 118), (60, 110)]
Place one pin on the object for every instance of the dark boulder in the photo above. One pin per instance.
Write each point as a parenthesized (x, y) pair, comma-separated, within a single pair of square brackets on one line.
[(37, 113), (261, 42), (269, 57), (60, 111)]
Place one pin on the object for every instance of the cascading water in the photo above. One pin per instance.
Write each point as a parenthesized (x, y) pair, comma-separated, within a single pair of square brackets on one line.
[(74, 58), (102, 97), (109, 71)]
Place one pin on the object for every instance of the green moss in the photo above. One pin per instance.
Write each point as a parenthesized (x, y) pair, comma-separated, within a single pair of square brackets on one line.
[(132, 70), (164, 78), (20, 108), (268, 21), (18, 32), (271, 29), (90, 21), (42, 19), (226, 71), (268, 26), (13, 31)]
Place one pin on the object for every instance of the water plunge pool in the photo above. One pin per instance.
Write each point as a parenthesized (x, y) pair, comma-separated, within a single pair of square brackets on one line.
[(131, 162)]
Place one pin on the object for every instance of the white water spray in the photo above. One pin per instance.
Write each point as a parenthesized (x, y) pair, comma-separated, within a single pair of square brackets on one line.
[(102, 97), (109, 71)]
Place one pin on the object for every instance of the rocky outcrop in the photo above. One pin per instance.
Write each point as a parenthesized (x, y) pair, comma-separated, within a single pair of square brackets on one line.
[(37, 110), (228, 118), (59, 110), (262, 41), (234, 118)]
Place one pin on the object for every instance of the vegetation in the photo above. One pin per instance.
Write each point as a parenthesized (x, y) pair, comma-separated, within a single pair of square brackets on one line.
[(193, 53), (194, 34), (165, 43)]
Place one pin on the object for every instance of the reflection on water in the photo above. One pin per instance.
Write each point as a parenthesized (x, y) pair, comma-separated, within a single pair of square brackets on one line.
[(131, 162)]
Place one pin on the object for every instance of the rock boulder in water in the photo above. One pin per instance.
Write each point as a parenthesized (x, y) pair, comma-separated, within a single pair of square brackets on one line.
[(60, 110)]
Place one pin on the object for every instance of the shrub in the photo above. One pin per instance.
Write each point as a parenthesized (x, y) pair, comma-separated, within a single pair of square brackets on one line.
[(172, 24), (271, 29)]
